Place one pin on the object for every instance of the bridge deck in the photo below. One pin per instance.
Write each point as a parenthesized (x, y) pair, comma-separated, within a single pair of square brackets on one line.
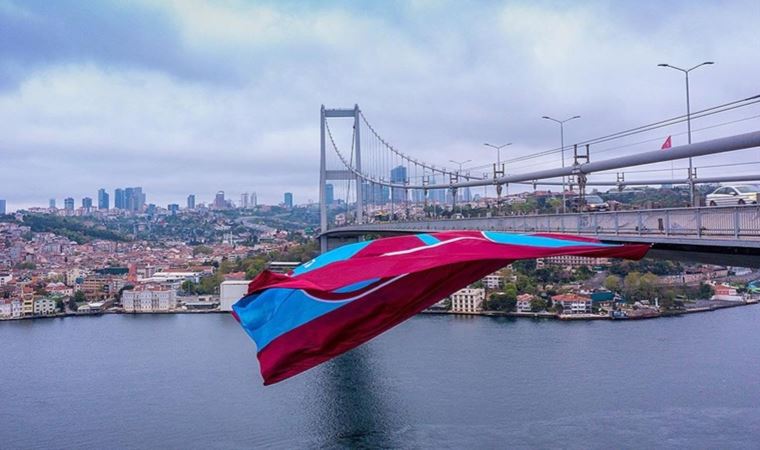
[(719, 235)]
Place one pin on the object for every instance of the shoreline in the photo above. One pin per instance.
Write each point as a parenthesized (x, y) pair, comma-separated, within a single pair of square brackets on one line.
[(519, 315)]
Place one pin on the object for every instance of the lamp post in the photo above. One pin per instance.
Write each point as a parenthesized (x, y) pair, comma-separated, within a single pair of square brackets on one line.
[(688, 120), (497, 170), (498, 152), (460, 164), (562, 143)]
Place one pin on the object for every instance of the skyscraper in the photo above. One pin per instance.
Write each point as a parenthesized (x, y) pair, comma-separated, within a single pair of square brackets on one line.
[(118, 199), (87, 203), (329, 194), (219, 201), (398, 176), (253, 200), (2, 206), (103, 199), (288, 199), (68, 204), (51, 203), (244, 201), (173, 208), (191, 201)]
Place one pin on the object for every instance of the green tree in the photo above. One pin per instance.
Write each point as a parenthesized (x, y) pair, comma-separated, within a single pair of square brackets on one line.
[(537, 304), (612, 283), (79, 297), (202, 250), (706, 291), (504, 301)]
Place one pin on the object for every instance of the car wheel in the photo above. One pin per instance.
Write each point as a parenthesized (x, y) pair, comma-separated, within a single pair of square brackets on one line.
[(741, 201), (712, 203)]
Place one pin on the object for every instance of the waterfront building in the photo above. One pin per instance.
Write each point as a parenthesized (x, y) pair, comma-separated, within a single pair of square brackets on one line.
[(493, 281), (103, 199), (468, 300), (523, 302), (573, 303), (68, 204), (726, 293), (572, 261), (288, 200), (191, 201), (149, 298), (10, 308), (44, 307), (230, 292)]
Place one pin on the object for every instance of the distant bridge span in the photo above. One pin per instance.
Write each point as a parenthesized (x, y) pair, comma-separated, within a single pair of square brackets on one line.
[(715, 235)]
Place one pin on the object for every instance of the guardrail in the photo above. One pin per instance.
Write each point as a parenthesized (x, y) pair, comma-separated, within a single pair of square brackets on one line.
[(735, 222)]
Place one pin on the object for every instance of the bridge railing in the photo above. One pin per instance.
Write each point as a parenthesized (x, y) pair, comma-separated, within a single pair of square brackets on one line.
[(703, 222)]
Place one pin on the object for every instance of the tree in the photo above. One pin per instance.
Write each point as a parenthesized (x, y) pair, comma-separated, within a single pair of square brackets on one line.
[(504, 301), (188, 286), (202, 250), (537, 304), (79, 297), (612, 283), (706, 291)]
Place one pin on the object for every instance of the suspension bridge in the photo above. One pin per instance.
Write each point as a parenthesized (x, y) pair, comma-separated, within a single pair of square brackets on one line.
[(370, 187)]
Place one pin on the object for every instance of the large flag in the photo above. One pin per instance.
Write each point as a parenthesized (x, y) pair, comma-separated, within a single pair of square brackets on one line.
[(349, 295), (667, 144)]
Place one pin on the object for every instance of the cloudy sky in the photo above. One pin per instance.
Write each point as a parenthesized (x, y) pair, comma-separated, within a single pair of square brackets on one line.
[(194, 96)]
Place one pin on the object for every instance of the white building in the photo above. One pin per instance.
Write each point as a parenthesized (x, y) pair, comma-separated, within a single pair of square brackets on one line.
[(573, 303), (468, 300), (44, 307), (149, 298), (230, 292), (5, 278), (523, 302), (10, 308), (493, 281)]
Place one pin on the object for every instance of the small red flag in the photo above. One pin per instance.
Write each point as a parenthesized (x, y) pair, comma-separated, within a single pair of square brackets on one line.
[(667, 144)]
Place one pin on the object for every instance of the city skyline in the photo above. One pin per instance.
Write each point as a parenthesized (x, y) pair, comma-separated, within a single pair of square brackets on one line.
[(195, 108)]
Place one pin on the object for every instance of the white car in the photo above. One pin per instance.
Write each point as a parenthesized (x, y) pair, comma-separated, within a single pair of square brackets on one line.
[(745, 194)]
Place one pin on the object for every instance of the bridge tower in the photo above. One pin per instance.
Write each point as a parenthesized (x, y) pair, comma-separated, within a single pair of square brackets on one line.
[(326, 175)]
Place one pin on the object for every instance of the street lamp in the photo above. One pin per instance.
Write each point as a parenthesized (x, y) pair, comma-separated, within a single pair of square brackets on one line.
[(453, 193), (688, 118), (498, 152), (562, 143), (460, 164)]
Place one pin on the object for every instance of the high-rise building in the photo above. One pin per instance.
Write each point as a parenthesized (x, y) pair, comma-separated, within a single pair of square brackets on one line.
[(134, 199), (191, 201), (329, 194), (244, 201), (118, 199), (51, 203), (219, 201), (68, 204), (173, 208), (288, 199), (2, 206), (253, 200), (87, 203), (398, 176), (103, 199)]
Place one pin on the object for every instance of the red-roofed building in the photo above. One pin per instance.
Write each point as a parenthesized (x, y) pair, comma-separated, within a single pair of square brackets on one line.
[(573, 303)]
